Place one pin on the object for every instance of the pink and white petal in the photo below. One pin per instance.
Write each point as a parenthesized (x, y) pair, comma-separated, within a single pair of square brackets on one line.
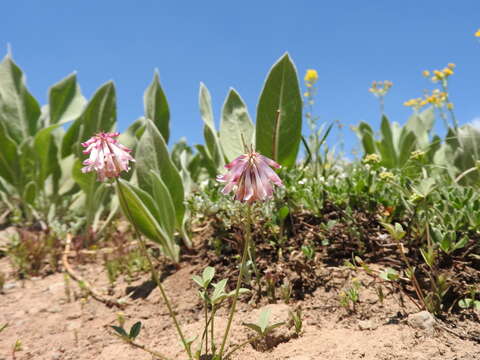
[(238, 170), (239, 194), (259, 185), (249, 191), (272, 176), (236, 161), (269, 161), (228, 188), (266, 183)]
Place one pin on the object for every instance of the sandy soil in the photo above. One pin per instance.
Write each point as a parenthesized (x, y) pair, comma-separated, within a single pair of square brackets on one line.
[(51, 328)]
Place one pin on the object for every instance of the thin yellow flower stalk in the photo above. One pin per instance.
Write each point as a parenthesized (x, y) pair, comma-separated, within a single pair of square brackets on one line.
[(380, 89)]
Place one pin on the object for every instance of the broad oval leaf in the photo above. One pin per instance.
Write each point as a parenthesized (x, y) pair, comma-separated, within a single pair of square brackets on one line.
[(210, 134), (135, 330), (130, 137), (137, 209), (19, 111), (365, 134), (152, 154), (235, 124), (99, 115), (46, 153), (386, 145), (163, 201), (8, 157), (156, 107), (279, 114), (65, 100)]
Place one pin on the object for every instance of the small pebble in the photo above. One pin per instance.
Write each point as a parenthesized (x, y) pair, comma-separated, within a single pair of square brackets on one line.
[(367, 325)]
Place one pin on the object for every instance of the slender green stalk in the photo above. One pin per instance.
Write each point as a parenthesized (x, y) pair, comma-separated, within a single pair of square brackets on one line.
[(206, 326), (212, 319), (465, 173), (239, 346), (144, 348), (239, 280), (253, 258), (155, 276), (413, 278)]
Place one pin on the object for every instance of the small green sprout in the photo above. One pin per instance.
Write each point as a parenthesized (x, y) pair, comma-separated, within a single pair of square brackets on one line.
[(262, 327)]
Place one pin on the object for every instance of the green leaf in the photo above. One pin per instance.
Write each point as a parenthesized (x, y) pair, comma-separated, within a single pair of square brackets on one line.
[(264, 319), (206, 161), (214, 150), (99, 115), (19, 111), (46, 153), (8, 157), (254, 327), (86, 181), (365, 133), (421, 125), (208, 274), (164, 202), (241, 291), (273, 326), (389, 274), (156, 107), (137, 205), (29, 193), (465, 303), (235, 123), (135, 330), (130, 137), (278, 135), (283, 213), (70, 140), (467, 153), (198, 280), (65, 100), (152, 154), (120, 331), (387, 144), (407, 144), (460, 244), (219, 291)]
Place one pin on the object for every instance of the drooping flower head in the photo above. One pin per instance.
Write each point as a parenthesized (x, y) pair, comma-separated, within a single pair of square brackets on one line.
[(252, 177), (107, 156)]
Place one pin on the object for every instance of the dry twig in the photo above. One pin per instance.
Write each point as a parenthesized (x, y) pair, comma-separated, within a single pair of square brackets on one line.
[(83, 283)]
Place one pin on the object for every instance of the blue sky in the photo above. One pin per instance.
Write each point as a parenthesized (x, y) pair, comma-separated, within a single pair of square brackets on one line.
[(224, 44)]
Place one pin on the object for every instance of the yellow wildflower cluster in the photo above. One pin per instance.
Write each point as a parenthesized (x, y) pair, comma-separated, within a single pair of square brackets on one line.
[(477, 34), (416, 103), (311, 77), (417, 154), (416, 197), (439, 75), (437, 98), (386, 175), (371, 159), (380, 88)]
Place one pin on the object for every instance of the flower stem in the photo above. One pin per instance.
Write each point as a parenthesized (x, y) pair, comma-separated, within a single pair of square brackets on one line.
[(239, 280), (239, 346), (148, 350), (253, 258), (155, 275), (214, 348), (206, 327)]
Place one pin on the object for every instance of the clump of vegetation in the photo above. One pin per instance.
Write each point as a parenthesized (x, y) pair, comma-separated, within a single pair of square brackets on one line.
[(412, 198)]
